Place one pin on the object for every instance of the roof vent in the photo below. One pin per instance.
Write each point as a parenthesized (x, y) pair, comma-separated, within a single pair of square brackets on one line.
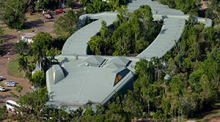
[(87, 64)]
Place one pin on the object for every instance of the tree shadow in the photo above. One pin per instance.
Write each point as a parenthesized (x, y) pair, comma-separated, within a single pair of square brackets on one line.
[(8, 37), (212, 112), (77, 6), (27, 27), (163, 31), (6, 96), (8, 46), (38, 21), (213, 117), (64, 60)]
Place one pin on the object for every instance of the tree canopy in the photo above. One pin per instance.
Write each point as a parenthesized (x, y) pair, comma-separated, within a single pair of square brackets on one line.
[(65, 25), (97, 6), (133, 32), (186, 6), (41, 43), (14, 13)]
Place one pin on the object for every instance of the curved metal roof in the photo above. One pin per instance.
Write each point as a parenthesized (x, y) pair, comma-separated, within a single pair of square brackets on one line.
[(174, 22), (86, 77)]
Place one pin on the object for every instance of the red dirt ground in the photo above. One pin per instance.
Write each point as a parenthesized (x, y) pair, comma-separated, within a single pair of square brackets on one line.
[(10, 39)]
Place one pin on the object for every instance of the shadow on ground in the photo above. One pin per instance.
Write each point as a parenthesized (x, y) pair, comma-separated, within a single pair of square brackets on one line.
[(209, 115)]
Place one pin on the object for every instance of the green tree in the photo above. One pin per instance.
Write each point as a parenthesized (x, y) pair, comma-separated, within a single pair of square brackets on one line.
[(38, 79), (71, 3), (18, 88), (32, 102), (187, 6), (84, 2), (1, 32), (4, 112), (65, 25), (41, 43), (21, 48), (95, 44), (97, 7), (23, 65), (14, 13)]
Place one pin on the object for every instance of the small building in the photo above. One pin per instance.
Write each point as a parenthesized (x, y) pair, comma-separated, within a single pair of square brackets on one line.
[(27, 37)]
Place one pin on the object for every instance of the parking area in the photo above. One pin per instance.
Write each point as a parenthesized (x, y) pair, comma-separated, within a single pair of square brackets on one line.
[(19, 81), (9, 44)]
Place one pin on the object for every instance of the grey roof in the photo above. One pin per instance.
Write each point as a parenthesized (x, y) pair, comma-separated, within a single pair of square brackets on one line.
[(85, 83), (97, 78), (170, 32), (28, 35), (77, 43)]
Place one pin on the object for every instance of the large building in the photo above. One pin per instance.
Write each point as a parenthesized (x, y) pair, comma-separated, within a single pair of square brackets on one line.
[(80, 78)]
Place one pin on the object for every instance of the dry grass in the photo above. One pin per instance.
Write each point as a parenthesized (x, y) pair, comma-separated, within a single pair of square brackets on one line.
[(5, 28)]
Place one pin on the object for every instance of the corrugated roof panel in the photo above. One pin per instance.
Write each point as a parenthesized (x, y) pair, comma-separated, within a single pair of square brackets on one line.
[(93, 59), (170, 26), (112, 66), (118, 60), (95, 81)]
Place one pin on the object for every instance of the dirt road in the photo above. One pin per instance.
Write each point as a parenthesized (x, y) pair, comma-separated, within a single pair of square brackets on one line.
[(10, 39)]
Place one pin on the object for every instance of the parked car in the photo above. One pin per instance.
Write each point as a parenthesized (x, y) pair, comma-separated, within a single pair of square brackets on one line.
[(10, 83), (2, 89), (47, 14), (60, 11), (10, 105), (1, 78)]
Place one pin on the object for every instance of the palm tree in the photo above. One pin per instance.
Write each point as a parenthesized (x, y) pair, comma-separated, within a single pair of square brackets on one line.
[(39, 54), (41, 43), (23, 65)]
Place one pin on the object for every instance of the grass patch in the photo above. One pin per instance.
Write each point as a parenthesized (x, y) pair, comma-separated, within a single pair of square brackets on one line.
[(49, 23), (27, 29), (32, 17), (12, 67), (2, 84)]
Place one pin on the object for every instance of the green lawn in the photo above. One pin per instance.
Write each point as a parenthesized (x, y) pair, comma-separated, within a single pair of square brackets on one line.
[(12, 67)]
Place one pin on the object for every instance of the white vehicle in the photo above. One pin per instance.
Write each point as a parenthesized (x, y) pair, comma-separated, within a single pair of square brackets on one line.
[(10, 83), (10, 105), (1, 78), (2, 89)]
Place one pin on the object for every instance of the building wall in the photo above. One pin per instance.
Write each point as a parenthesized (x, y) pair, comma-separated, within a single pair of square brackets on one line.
[(26, 40)]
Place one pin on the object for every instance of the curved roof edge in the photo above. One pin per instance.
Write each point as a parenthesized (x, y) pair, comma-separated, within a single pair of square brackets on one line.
[(77, 43)]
